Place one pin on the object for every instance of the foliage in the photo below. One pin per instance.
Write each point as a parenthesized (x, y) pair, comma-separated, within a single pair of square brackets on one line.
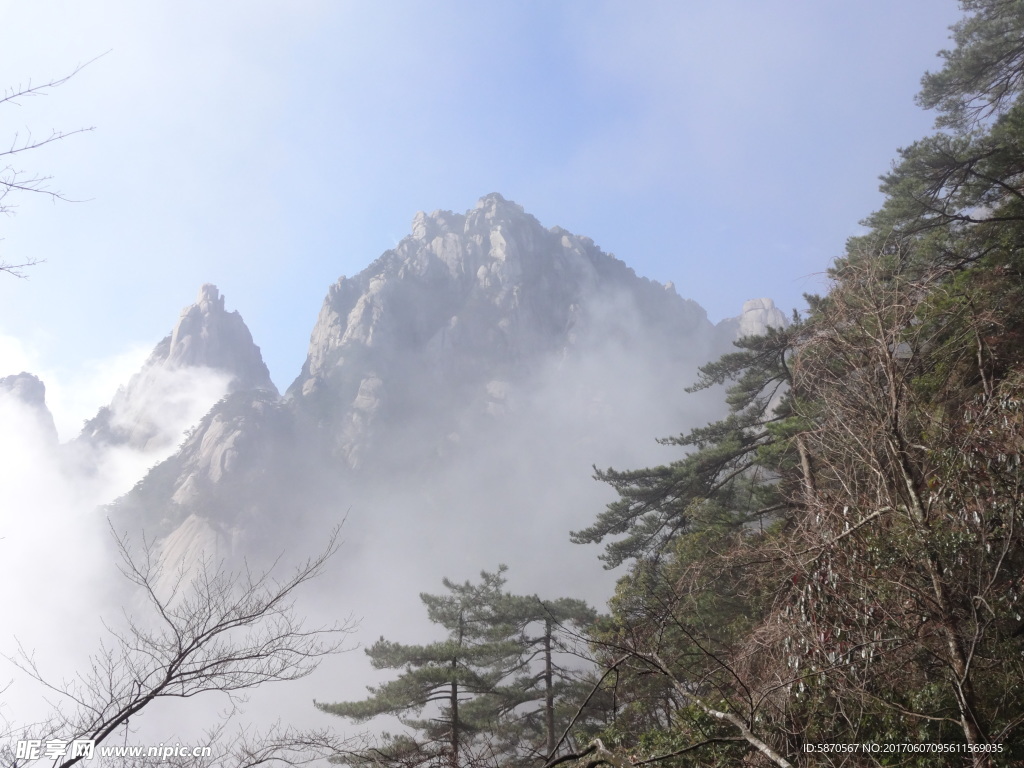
[(655, 505), (478, 697), (839, 559)]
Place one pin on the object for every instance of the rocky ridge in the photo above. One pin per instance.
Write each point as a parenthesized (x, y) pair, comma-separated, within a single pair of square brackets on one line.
[(467, 309), (209, 353)]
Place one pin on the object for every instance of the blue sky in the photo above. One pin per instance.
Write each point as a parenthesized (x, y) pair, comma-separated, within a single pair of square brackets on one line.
[(730, 147)]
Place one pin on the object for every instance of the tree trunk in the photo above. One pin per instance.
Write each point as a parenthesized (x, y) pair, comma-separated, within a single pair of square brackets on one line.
[(455, 718), (549, 689), (963, 686)]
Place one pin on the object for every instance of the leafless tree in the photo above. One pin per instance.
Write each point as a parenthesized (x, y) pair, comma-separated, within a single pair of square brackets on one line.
[(908, 571), (13, 178), (672, 652), (886, 596), (217, 630)]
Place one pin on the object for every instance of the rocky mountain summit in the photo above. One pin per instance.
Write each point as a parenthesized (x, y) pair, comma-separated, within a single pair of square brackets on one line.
[(757, 316), (492, 286), (208, 336), (208, 354), (463, 314)]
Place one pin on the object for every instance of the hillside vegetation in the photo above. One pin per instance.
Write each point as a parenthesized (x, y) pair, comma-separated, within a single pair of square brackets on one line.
[(841, 559)]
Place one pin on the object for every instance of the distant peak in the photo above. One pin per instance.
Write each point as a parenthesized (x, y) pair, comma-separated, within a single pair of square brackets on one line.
[(492, 198), (209, 296), (210, 353), (26, 387), (752, 305), (489, 210), (495, 202), (30, 391), (758, 316), (207, 335)]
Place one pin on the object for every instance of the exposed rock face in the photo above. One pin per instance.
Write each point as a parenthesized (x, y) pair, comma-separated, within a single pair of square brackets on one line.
[(28, 390), (492, 285), (469, 305), (758, 316), (26, 387), (208, 336), (209, 353)]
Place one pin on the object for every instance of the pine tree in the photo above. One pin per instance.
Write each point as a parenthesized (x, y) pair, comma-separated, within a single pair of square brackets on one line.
[(493, 692), (878, 594), (461, 675), (546, 690)]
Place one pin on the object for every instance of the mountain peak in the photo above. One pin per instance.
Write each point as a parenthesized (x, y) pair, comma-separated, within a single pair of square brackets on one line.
[(209, 353), (496, 202), (28, 390), (758, 316), (209, 298), (489, 295), (492, 210), (207, 335)]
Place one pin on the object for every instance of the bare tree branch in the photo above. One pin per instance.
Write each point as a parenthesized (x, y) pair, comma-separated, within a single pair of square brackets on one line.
[(221, 631), (13, 178)]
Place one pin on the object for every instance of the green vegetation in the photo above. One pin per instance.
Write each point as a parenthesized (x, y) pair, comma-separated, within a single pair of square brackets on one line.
[(840, 559), (493, 692)]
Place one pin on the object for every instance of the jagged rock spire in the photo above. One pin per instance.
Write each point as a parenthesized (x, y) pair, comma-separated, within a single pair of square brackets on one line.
[(207, 335), (209, 353)]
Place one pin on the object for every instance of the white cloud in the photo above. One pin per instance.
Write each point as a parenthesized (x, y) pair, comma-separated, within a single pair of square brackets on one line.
[(54, 544), (52, 548), (71, 395)]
